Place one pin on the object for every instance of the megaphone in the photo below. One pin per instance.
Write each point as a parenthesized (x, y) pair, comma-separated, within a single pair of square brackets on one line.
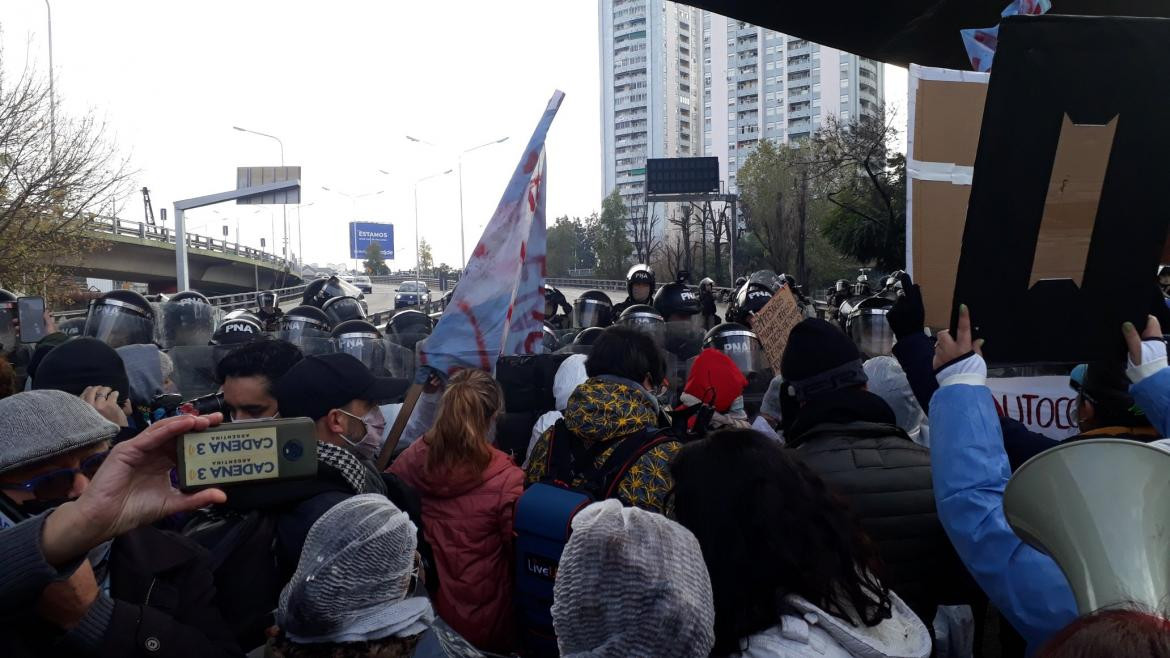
[(1101, 509)]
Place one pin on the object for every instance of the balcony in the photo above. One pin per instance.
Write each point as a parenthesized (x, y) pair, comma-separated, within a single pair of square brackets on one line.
[(629, 66), (803, 113)]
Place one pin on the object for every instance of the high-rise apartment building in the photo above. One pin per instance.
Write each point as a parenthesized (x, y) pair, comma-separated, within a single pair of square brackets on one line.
[(678, 81), (759, 84), (650, 89)]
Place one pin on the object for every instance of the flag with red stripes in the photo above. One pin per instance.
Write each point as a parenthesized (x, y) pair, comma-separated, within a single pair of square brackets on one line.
[(498, 305)]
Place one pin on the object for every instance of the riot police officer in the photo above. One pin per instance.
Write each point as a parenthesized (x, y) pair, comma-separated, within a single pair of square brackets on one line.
[(408, 327), (707, 303), (679, 306), (307, 327), (120, 317), (187, 319), (268, 309), (236, 331), (8, 317), (639, 288), (343, 309), (593, 309), (364, 342), (554, 301)]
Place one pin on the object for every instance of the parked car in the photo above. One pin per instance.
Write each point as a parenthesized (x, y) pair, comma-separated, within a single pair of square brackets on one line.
[(412, 293), (364, 284), (348, 278)]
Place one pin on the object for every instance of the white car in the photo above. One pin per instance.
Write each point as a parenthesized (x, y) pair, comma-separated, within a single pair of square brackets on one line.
[(363, 284)]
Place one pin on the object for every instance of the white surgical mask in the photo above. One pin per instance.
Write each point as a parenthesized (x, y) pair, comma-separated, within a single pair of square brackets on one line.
[(375, 423)]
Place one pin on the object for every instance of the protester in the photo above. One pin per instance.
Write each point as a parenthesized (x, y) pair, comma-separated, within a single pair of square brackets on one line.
[(1128, 633), (631, 583), (352, 593), (89, 368), (970, 472), (342, 397), (639, 288), (570, 375), (792, 572), (7, 378), (715, 381), (771, 416), (91, 577), (44, 346), (150, 372), (469, 490), (888, 381), (849, 437), (617, 403), (248, 374), (259, 533)]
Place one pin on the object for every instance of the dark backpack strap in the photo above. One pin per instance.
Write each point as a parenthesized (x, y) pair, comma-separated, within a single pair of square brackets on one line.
[(569, 459), (233, 538), (650, 439)]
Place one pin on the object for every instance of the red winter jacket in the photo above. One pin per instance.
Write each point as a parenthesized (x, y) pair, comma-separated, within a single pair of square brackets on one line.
[(468, 518)]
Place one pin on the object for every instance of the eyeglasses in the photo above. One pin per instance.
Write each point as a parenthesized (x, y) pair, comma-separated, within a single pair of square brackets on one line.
[(57, 484)]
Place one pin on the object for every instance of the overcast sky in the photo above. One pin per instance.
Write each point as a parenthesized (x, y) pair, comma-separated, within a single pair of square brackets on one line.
[(341, 83)]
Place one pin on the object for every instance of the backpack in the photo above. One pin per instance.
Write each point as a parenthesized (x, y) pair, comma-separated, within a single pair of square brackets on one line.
[(544, 514)]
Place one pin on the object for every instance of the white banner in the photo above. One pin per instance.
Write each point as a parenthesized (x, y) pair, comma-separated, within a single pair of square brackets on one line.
[(1041, 403)]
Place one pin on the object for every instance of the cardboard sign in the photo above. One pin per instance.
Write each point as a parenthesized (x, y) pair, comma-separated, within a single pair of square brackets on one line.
[(773, 324), (1043, 404), (1072, 147)]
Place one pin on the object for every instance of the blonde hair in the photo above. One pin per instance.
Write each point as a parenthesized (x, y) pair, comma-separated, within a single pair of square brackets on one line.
[(459, 438)]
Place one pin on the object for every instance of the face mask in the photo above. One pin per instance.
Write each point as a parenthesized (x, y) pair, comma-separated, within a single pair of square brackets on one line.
[(369, 444)]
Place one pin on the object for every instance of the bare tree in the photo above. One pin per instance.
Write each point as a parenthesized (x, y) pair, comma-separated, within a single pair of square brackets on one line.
[(684, 220), (643, 229), (49, 197)]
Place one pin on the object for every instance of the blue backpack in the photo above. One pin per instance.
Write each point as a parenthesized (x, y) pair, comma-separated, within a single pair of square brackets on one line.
[(544, 516)]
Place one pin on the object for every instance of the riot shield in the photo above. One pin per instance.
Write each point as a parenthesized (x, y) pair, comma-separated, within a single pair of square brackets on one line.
[(302, 334), (870, 331), (400, 361), (194, 373), (369, 349), (683, 339), (407, 340), (117, 323), (316, 345), (185, 323)]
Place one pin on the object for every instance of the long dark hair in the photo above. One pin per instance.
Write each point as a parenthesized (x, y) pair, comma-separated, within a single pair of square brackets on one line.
[(769, 527)]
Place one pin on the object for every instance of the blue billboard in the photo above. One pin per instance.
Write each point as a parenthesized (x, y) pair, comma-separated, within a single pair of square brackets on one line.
[(362, 234)]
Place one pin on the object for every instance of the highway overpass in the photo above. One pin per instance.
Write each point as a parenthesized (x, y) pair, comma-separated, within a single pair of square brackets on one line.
[(142, 253)]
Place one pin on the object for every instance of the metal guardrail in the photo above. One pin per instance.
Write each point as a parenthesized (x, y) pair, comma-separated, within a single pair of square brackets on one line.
[(115, 226), (224, 302)]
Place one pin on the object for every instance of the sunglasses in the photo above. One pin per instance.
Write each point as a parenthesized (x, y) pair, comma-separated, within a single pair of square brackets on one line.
[(57, 484)]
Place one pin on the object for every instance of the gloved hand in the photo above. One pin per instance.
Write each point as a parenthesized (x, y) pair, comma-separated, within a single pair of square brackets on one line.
[(1147, 351), (908, 316)]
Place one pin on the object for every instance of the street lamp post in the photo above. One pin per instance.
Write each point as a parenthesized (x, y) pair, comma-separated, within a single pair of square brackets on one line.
[(459, 159), (417, 254), (283, 206), (52, 93)]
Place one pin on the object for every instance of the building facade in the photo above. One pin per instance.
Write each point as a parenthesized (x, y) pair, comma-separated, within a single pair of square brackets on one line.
[(677, 81)]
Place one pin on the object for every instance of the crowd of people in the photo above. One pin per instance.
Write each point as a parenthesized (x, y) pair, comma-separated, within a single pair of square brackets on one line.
[(647, 486)]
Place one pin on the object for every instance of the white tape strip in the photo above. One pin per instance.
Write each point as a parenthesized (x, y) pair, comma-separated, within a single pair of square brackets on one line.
[(940, 171), (947, 75)]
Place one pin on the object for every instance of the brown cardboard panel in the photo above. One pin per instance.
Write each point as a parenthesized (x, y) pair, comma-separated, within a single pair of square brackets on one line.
[(947, 117), (1070, 209), (773, 324), (940, 215)]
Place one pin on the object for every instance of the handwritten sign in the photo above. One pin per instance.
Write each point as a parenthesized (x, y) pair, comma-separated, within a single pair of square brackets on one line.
[(1044, 404), (773, 324)]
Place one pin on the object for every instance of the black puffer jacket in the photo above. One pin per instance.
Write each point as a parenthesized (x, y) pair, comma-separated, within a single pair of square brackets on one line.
[(850, 439)]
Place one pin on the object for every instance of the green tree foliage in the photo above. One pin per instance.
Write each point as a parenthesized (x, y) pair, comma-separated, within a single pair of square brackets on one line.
[(426, 260), (775, 193), (864, 182), (375, 264), (571, 245), (612, 238)]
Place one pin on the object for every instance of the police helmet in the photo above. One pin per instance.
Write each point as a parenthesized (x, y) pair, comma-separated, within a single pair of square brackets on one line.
[(640, 274), (266, 299), (342, 309), (741, 345), (305, 318), (739, 281), (640, 314), (120, 317), (322, 290), (676, 299), (409, 322), (71, 327), (7, 296), (356, 328), (707, 283), (189, 297), (237, 331), (750, 300), (8, 313), (549, 339), (242, 313), (588, 336), (593, 308), (842, 286)]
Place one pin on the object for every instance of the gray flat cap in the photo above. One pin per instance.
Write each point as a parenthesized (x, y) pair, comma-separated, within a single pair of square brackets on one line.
[(38, 425)]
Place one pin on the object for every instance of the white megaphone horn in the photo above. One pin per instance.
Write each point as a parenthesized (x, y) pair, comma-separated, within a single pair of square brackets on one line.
[(1101, 509)]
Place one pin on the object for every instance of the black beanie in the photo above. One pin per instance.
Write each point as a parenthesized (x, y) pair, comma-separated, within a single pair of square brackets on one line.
[(44, 346), (1108, 387), (81, 362), (814, 347)]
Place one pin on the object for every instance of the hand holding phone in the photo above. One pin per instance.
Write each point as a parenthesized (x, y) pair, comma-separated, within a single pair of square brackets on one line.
[(31, 315)]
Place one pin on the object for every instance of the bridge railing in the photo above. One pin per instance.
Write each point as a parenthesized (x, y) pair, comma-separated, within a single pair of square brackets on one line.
[(143, 231)]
